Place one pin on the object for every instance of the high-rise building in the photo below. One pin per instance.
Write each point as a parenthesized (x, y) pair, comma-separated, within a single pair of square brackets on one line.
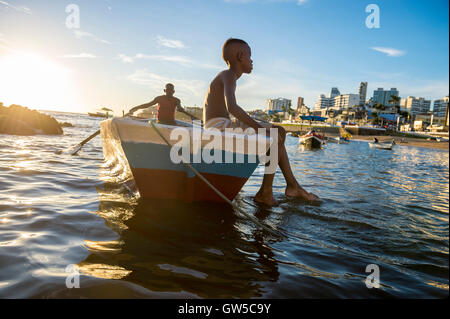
[(345, 101), (323, 103), (381, 96), (362, 93), (300, 101), (440, 107), (447, 118), (415, 105), (334, 92), (279, 104), (304, 110)]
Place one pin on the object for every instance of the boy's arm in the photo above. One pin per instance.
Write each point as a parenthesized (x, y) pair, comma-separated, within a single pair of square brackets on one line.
[(229, 87), (143, 106)]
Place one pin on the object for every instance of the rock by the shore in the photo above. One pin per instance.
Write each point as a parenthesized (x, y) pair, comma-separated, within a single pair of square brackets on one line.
[(19, 120)]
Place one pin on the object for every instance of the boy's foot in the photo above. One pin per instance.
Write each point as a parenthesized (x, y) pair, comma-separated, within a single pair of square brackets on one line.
[(298, 191), (265, 199)]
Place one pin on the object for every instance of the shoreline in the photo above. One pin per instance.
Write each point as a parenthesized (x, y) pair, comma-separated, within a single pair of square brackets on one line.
[(407, 141)]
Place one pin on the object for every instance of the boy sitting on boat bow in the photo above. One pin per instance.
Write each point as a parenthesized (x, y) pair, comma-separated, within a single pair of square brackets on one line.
[(220, 101)]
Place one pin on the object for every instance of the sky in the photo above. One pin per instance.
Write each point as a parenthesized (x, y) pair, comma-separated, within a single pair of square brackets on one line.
[(123, 52)]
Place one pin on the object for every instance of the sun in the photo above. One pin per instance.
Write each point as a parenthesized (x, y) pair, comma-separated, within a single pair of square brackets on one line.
[(34, 81)]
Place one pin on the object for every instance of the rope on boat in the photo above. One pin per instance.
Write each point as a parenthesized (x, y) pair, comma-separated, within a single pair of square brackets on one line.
[(256, 221)]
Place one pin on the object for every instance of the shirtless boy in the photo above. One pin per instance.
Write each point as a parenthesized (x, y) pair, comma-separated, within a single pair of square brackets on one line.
[(220, 101), (166, 106)]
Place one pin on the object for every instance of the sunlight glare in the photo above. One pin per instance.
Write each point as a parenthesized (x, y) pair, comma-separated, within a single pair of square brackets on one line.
[(33, 81)]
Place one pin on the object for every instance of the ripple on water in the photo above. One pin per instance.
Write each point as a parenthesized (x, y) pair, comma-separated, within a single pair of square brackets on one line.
[(384, 208)]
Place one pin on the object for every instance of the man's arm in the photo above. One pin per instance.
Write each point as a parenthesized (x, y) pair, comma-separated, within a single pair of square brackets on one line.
[(229, 87), (179, 107), (143, 106), (182, 110)]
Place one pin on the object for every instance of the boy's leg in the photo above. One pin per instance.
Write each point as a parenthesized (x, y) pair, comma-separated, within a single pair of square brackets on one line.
[(293, 188)]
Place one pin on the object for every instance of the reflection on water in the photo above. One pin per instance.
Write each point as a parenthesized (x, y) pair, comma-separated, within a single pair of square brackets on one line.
[(173, 246), (388, 208)]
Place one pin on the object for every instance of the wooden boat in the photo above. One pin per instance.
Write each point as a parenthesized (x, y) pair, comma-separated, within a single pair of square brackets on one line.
[(383, 146), (311, 140), (135, 146)]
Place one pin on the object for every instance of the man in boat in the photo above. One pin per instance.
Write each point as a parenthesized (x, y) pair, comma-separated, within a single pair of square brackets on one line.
[(167, 104), (220, 101)]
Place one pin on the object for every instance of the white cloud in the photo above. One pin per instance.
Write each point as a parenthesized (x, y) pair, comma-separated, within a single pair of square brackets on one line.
[(125, 58), (432, 90), (389, 51), (3, 39), (190, 90), (80, 56), (22, 9), (179, 59), (169, 58), (158, 57), (300, 2), (79, 34), (253, 90), (5, 44), (169, 43)]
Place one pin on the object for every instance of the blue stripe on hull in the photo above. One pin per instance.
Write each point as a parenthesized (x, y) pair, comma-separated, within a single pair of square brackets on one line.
[(157, 156)]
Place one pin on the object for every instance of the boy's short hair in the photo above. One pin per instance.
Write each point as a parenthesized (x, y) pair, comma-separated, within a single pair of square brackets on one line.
[(169, 84), (225, 52)]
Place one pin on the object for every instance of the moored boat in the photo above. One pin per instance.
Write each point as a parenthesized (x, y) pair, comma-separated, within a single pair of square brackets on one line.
[(136, 146), (311, 140), (383, 146), (104, 112)]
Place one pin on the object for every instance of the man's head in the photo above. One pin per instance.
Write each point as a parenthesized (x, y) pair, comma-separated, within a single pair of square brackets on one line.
[(170, 89), (237, 52)]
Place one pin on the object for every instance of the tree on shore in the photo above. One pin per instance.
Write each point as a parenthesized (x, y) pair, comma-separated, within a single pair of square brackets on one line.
[(396, 101), (379, 106), (375, 118)]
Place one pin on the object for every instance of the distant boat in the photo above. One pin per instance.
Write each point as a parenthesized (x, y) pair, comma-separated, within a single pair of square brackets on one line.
[(104, 114), (311, 140), (383, 146), (338, 140), (100, 114)]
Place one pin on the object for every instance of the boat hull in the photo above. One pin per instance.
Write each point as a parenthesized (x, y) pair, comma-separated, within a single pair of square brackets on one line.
[(311, 142), (382, 146), (136, 145)]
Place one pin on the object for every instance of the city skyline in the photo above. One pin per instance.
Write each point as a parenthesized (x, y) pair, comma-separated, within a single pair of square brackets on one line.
[(122, 54)]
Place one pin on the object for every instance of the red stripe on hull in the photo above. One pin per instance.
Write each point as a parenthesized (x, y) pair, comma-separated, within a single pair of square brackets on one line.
[(168, 184)]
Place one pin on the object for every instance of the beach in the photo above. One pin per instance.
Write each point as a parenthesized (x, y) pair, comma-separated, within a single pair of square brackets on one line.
[(405, 141)]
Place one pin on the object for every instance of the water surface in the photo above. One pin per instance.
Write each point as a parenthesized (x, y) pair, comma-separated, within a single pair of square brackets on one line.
[(388, 208)]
